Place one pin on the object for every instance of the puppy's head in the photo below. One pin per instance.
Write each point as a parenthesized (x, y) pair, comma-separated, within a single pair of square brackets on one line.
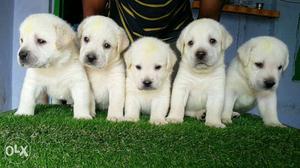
[(102, 41), (264, 59), (43, 38), (203, 42), (149, 63)]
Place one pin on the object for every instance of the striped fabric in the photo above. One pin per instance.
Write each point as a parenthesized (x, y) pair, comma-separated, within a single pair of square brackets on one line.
[(163, 19)]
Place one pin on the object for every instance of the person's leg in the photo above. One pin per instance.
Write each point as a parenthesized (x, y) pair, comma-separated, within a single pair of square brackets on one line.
[(211, 9), (93, 7)]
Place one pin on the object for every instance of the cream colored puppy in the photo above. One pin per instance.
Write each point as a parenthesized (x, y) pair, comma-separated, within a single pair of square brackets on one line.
[(149, 64), (254, 76), (48, 49), (102, 42), (200, 82)]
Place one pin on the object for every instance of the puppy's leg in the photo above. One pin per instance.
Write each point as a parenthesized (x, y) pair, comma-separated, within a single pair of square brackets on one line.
[(178, 102), (267, 105), (81, 96), (214, 107), (92, 105), (116, 102), (132, 108), (28, 97), (230, 99), (159, 110)]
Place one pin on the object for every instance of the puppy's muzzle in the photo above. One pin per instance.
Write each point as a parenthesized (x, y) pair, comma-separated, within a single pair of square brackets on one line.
[(24, 56), (269, 83), (147, 84), (201, 56), (91, 58)]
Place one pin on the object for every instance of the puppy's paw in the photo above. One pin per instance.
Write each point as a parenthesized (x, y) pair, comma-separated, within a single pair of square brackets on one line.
[(93, 113), (83, 116), (226, 120), (115, 118), (131, 119), (158, 121), (22, 113), (215, 124), (275, 124), (174, 120), (235, 115)]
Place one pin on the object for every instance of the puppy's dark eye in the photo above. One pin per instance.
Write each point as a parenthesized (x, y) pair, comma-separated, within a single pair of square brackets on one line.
[(138, 67), (86, 39), (212, 41), (280, 67), (41, 41), (259, 65), (106, 45), (157, 67), (190, 43), (21, 40)]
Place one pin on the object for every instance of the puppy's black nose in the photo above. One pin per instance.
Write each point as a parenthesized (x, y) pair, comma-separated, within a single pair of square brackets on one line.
[(91, 57), (269, 83), (201, 54), (147, 83), (23, 55)]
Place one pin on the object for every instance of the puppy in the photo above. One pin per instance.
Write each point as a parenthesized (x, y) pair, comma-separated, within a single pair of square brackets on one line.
[(200, 82), (102, 42), (49, 50), (149, 64), (254, 76)]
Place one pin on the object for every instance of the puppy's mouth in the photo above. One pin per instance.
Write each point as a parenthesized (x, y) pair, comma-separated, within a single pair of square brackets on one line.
[(146, 88)]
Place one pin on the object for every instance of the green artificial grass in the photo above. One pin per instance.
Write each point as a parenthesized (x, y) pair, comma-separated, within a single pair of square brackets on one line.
[(58, 140)]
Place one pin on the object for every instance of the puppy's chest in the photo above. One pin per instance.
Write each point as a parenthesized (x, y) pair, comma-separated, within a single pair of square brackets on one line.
[(58, 89), (197, 97), (100, 88)]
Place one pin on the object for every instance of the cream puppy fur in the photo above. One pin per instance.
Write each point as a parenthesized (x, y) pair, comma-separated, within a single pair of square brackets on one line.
[(149, 64), (48, 49), (199, 85), (254, 76), (102, 42)]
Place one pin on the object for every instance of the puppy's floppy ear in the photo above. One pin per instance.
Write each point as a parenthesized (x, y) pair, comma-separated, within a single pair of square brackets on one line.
[(171, 59), (180, 43), (65, 36), (286, 63), (244, 52), (123, 41), (226, 38), (127, 58)]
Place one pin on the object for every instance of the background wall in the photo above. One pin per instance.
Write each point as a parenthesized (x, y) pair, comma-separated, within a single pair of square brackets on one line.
[(6, 33), (242, 28)]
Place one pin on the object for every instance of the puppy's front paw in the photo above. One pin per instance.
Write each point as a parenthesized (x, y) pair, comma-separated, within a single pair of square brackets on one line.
[(174, 120), (93, 113), (226, 120), (275, 124), (131, 119), (115, 118), (22, 113), (215, 124), (158, 121), (83, 116)]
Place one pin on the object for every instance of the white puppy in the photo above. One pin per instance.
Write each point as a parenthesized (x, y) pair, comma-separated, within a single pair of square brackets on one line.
[(199, 85), (49, 50), (102, 42), (149, 64), (254, 76)]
